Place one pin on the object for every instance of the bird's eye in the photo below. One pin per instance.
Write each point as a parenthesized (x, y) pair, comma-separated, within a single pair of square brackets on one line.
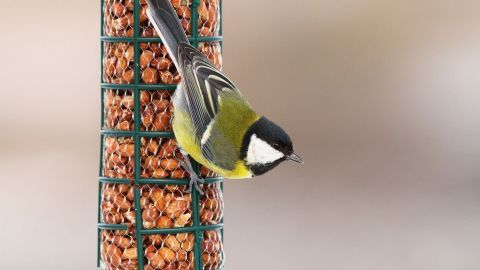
[(276, 145)]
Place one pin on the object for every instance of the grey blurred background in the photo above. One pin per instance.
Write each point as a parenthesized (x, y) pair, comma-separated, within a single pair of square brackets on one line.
[(381, 98)]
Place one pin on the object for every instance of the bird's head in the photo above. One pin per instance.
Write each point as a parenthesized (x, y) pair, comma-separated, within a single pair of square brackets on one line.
[(266, 145)]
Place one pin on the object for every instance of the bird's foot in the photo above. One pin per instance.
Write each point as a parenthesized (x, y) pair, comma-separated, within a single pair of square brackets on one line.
[(195, 181)]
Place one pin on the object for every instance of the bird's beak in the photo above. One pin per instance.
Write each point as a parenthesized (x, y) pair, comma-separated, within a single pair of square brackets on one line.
[(295, 157)]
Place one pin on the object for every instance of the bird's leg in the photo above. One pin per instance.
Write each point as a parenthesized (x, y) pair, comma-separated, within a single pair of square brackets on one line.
[(194, 179)]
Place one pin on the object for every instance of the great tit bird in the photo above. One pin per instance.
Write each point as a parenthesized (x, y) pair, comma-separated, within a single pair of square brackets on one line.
[(213, 122)]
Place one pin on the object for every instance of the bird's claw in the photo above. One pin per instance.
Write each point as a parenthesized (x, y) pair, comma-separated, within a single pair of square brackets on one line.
[(194, 182)]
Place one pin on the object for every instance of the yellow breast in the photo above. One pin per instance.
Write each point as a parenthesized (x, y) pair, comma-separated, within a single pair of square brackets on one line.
[(182, 127)]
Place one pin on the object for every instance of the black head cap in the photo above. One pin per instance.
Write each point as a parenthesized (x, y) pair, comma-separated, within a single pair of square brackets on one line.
[(276, 137)]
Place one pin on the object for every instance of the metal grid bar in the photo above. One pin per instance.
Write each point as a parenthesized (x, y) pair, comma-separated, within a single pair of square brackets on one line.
[(137, 134), (156, 39), (151, 181), (169, 87), (136, 119), (166, 134)]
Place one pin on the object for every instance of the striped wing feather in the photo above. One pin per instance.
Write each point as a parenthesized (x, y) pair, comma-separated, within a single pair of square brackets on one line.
[(204, 83), (204, 88)]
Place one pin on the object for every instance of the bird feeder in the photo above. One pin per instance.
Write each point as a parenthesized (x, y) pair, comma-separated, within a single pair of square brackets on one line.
[(146, 219)]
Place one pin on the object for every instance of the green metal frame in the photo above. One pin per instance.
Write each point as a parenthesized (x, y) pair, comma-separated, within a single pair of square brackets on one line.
[(137, 134)]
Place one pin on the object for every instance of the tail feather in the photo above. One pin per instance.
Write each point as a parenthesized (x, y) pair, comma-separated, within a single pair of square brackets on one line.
[(165, 20)]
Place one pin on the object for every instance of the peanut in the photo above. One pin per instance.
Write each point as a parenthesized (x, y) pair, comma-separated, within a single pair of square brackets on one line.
[(176, 208), (150, 76), (156, 239), (167, 254), (119, 105), (178, 174), (156, 261), (146, 58), (164, 222), (211, 204), (150, 214), (130, 254), (172, 243), (182, 220), (160, 173), (169, 164)]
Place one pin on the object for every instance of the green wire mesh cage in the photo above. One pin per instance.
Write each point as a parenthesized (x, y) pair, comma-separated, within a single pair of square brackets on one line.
[(146, 220)]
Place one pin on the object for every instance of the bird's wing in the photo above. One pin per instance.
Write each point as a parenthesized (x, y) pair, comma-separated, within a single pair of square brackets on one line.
[(203, 85), (222, 141), (206, 91)]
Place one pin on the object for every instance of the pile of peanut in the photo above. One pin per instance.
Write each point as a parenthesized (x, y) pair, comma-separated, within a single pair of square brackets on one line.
[(155, 106), (156, 110), (162, 251), (211, 204), (118, 109), (117, 204), (209, 17), (119, 250), (212, 250), (183, 9), (156, 66), (169, 251), (161, 206), (118, 63), (160, 158), (166, 252), (165, 207), (213, 52), (119, 20), (118, 157), (146, 28)]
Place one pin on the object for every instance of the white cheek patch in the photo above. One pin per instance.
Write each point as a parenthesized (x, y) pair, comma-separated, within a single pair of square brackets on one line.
[(260, 152)]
